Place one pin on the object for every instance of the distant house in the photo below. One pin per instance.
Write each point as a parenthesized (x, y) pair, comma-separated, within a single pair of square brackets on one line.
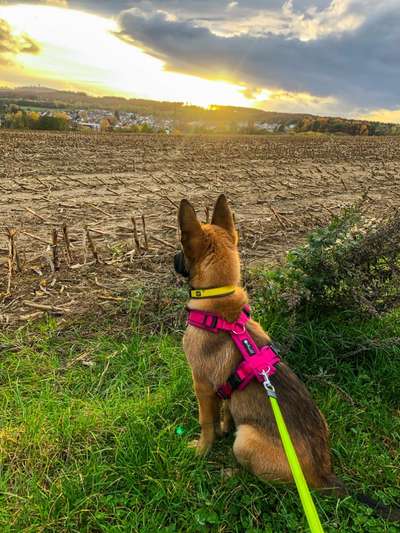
[(267, 126), (89, 125)]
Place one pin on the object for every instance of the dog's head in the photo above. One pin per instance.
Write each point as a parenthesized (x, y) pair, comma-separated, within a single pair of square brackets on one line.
[(211, 257)]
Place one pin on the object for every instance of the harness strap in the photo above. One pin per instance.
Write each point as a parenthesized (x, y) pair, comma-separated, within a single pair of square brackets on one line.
[(215, 323), (255, 360)]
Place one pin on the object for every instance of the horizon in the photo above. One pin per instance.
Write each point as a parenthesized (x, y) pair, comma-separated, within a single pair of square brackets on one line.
[(207, 108), (319, 57)]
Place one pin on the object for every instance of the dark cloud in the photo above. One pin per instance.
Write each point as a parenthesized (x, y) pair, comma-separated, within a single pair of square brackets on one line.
[(196, 8), (359, 66), (181, 8), (188, 9), (11, 45)]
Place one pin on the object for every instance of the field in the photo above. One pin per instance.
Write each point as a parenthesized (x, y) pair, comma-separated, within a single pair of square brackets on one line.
[(280, 188), (96, 401)]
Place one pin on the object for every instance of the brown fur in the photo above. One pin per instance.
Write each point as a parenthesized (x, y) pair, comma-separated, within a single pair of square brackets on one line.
[(213, 260)]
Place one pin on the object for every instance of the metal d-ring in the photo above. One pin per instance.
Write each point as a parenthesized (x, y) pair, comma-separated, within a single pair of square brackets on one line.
[(239, 332)]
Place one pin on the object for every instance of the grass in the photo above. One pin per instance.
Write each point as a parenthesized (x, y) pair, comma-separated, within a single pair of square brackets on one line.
[(94, 431)]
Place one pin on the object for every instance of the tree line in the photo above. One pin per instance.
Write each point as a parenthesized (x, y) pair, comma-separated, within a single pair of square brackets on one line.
[(13, 117), (347, 126)]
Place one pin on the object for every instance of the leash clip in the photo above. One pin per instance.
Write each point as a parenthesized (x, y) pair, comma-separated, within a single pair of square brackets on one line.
[(269, 388)]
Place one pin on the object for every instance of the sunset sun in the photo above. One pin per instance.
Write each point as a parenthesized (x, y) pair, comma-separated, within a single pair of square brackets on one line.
[(81, 50)]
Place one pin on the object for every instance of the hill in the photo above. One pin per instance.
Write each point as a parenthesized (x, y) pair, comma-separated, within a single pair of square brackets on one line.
[(25, 96), (190, 117)]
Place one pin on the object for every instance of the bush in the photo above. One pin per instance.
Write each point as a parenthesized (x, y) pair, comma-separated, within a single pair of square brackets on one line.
[(352, 264)]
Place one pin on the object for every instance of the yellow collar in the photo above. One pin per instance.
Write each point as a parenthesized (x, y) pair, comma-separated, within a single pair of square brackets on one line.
[(213, 293)]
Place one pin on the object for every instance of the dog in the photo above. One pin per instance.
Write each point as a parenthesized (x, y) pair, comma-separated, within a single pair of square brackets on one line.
[(210, 259)]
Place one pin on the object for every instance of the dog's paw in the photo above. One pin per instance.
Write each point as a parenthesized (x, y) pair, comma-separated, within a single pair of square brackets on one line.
[(200, 446), (227, 473)]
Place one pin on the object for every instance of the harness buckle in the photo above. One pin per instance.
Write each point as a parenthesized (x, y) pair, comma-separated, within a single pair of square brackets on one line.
[(210, 321)]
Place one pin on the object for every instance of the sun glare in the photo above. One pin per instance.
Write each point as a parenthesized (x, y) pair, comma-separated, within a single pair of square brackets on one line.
[(80, 51)]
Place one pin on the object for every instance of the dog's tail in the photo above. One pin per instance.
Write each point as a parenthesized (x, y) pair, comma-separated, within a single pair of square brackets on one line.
[(384, 511), (389, 513)]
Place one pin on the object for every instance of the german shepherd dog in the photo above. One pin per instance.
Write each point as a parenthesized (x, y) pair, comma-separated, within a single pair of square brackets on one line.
[(211, 259)]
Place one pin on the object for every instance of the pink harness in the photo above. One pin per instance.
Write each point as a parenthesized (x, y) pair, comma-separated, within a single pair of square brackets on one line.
[(257, 362)]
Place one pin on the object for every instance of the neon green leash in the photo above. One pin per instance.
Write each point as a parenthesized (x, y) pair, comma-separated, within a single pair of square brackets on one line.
[(298, 476)]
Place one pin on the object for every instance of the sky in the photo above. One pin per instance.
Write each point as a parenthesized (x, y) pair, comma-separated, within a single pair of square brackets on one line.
[(330, 57)]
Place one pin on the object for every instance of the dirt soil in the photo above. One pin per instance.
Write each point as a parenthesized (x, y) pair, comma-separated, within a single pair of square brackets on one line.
[(280, 188)]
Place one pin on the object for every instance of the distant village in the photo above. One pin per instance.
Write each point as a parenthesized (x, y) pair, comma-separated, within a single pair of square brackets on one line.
[(101, 119), (105, 120)]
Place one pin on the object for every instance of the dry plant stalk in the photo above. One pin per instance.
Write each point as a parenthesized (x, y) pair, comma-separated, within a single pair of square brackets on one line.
[(278, 217), (67, 243), (238, 227), (280, 221), (165, 243), (32, 212), (49, 257), (35, 237), (135, 236), (56, 261), (146, 242), (12, 252), (16, 254), (84, 246), (92, 246), (43, 307)]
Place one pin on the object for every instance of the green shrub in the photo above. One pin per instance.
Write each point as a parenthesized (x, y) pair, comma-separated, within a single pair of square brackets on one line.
[(350, 265)]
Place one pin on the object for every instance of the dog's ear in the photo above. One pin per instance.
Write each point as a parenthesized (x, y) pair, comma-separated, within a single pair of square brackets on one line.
[(188, 222), (191, 232), (222, 215)]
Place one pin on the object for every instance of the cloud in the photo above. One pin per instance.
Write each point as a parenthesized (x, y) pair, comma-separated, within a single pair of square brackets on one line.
[(198, 8), (11, 44), (183, 8), (340, 55), (222, 16), (226, 17), (358, 65)]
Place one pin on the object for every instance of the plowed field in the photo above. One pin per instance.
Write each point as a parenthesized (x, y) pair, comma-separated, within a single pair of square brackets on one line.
[(280, 187)]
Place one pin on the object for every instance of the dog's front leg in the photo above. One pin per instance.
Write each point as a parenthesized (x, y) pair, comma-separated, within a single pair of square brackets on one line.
[(209, 415)]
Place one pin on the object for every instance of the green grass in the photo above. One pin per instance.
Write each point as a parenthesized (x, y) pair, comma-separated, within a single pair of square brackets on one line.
[(89, 440)]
